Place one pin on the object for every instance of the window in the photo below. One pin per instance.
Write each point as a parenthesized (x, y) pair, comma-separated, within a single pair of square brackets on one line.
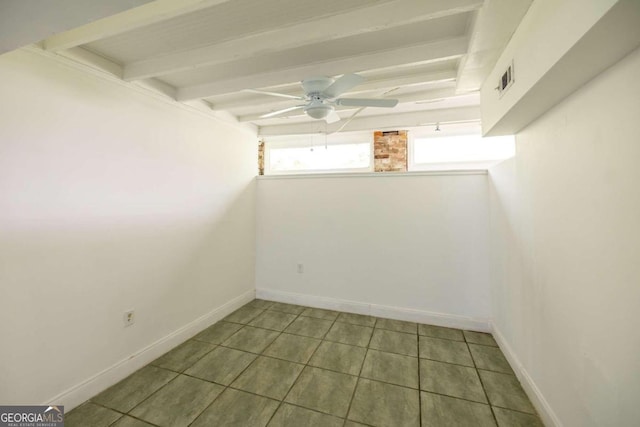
[(317, 156), (461, 148), (459, 152)]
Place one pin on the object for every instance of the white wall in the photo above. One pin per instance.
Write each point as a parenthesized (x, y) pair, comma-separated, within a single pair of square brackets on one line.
[(547, 32), (413, 244), (565, 219), (110, 199)]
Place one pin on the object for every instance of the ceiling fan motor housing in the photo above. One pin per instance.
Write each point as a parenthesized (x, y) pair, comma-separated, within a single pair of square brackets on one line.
[(322, 95), (317, 109)]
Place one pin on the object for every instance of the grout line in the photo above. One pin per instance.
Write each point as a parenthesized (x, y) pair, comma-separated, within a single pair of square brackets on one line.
[(199, 358), (498, 372), (178, 373), (440, 338), (139, 419), (322, 339), (419, 379), (482, 345), (419, 385), (303, 369), (282, 402), (535, 414), (297, 376), (329, 370), (484, 390), (226, 387), (209, 381), (247, 367), (353, 395), (338, 372), (454, 397), (208, 406), (448, 363), (122, 414), (253, 393), (155, 392)]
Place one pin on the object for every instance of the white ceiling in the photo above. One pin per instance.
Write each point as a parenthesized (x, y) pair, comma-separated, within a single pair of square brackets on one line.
[(25, 21), (432, 55)]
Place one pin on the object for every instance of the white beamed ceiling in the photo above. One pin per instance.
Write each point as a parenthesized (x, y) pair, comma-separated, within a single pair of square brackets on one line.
[(417, 51)]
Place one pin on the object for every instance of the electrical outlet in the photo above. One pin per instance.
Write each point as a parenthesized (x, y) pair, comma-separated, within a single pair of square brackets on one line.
[(129, 318), (300, 268)]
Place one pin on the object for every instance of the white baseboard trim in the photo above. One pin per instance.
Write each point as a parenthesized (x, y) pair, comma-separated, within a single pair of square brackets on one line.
[(85, 390), (389, 312), (548, 416)]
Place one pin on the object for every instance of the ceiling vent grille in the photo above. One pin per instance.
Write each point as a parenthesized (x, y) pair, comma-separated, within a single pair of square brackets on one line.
[(506, 80)]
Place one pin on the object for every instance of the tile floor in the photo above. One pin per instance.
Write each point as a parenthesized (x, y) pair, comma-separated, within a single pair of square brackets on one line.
[(278, 364)]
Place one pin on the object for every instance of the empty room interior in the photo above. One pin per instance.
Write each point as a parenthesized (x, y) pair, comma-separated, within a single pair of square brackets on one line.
[(320, 213)]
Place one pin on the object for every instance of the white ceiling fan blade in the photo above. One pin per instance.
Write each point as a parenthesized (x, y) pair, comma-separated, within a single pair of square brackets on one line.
[(348, 120), (343, 84), (285, 110), (363, 102), (332, 117), (281, 95)]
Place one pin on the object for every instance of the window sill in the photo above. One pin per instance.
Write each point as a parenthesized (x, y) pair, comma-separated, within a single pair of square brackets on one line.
[(374, 174)]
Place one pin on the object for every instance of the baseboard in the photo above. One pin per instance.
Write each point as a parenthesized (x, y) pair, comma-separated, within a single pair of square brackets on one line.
[(378, 310), (548, 416), (82, 392)]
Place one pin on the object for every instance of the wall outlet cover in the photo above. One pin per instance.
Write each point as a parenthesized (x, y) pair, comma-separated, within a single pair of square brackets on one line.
[(129, 318)]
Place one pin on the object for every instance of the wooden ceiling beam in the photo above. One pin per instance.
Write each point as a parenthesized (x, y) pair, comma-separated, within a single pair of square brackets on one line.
[(427, 95), (147, 14), (377, 17), (423, 53), (373, 85), (378, 122)]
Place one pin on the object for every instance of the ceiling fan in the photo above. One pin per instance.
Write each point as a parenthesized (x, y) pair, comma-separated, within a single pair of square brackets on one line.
[(322, 96)]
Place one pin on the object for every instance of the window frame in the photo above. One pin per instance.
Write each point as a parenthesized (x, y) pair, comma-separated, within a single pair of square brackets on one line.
[(297, 142), (412, 166)]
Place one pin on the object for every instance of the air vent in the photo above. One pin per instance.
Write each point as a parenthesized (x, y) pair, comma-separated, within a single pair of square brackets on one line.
[(506, 80)]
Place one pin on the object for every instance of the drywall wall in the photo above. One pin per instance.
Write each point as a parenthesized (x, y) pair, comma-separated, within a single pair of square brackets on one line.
[(565, 227), (414, 245), (110, 200), (546, 33), (559, 46)]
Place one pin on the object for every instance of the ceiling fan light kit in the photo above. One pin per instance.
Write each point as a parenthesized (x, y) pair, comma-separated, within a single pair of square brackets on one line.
[(318, 110), (322, 96)]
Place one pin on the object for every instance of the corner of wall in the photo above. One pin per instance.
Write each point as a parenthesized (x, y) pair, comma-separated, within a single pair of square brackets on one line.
[(546, 413), (80, 393)]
